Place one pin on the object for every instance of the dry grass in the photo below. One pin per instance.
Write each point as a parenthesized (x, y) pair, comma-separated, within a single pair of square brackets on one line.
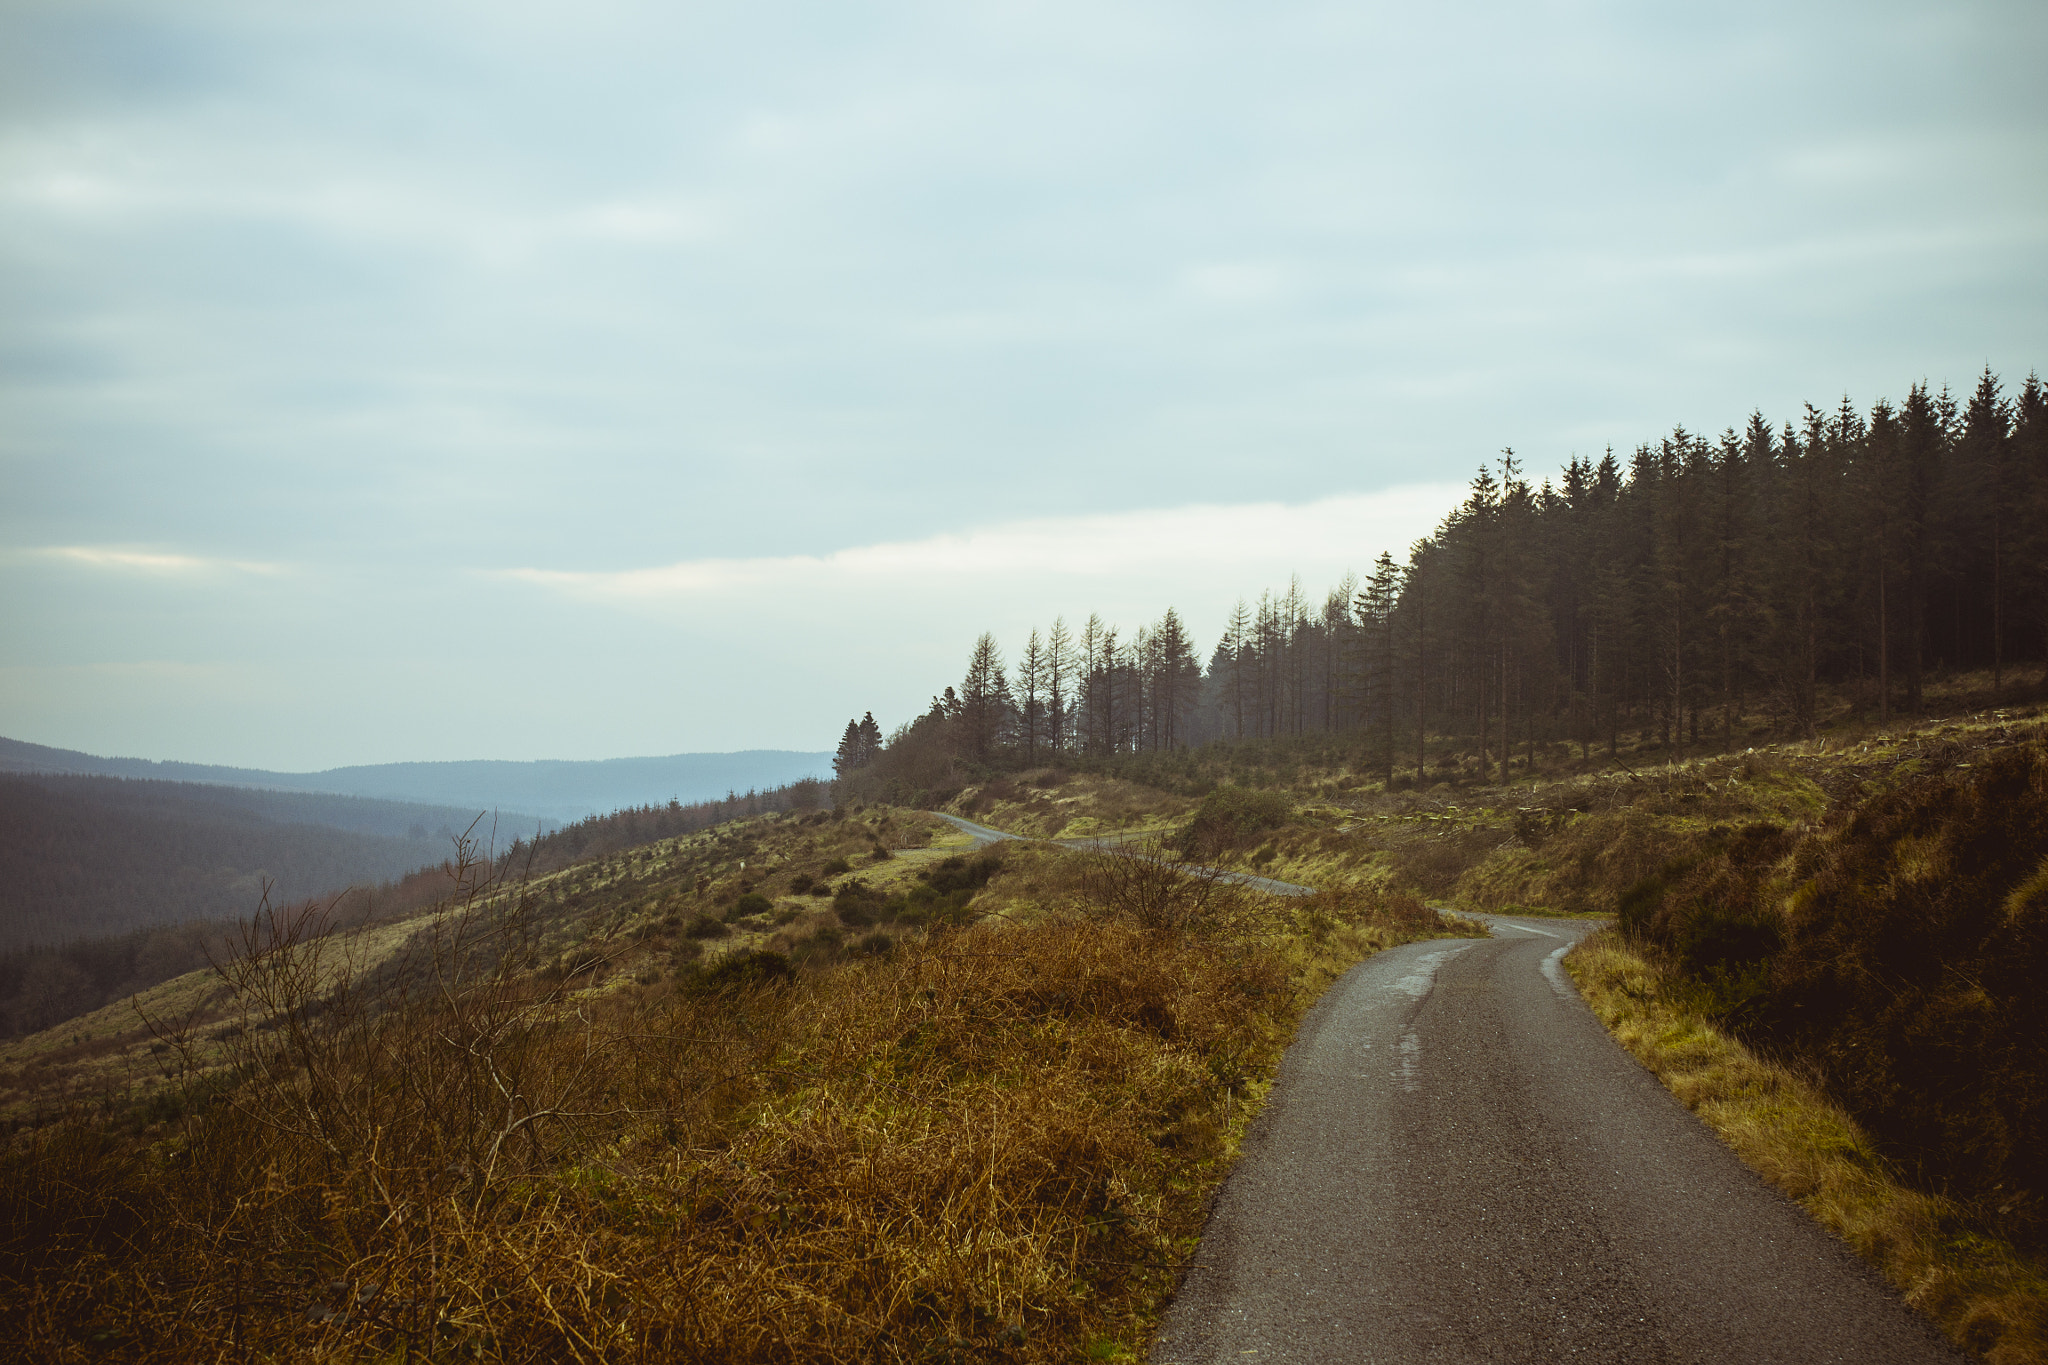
[(988, 1143), (1986, 1297), (1054, 804)]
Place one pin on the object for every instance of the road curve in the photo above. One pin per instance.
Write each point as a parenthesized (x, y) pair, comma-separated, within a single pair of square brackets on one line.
[(983, 836), (1458, 1164)]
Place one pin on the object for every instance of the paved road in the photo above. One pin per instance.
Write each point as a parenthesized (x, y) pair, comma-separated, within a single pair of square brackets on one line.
[(1458, 1164), (983, 836)]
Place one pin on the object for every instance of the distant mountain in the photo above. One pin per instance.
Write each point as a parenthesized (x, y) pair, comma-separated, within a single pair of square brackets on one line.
[(85, 857), (521, 793)]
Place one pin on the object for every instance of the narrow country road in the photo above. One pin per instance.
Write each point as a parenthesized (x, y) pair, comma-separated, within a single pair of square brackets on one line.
[(1458, 1164), (983, 836)]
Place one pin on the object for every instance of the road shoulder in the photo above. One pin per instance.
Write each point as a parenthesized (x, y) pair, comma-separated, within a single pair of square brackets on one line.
[(1984, 1296)]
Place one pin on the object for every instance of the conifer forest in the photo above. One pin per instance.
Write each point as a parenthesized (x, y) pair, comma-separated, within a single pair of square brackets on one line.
[(1660, 596)]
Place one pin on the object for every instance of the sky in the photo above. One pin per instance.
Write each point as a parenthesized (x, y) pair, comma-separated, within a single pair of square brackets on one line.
[(391, 381)]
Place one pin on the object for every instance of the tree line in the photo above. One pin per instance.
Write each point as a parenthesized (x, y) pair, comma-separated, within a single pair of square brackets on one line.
[(1669, 598), (633, 826)]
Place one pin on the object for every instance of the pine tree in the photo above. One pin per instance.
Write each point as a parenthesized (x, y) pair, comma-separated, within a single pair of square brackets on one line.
[(1177, 678), (847, 759), (1238, 643), (1109, 665), (1376, 606), (985, 699), (2030, 499), (1666, 597), (1925, 424), (1881, 485), (1031, 677), (1984, 468), (1059, 667), (1341, 697), (1088, 687)]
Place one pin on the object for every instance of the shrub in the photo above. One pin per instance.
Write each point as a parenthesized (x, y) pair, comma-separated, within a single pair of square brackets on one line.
[(924, 907), (747, 970), (753, 903), (800, 883), (706, 926), (877, 944), (820, 948), (836, 867), (945, 892), (1143, 886), (1230, 818), (963, 874), (857, 904)]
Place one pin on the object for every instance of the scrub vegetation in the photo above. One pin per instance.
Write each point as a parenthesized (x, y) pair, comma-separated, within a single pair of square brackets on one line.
[(804, 1086)]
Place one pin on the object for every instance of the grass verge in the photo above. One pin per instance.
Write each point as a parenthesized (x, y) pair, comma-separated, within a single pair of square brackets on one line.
[(1986, 1297)]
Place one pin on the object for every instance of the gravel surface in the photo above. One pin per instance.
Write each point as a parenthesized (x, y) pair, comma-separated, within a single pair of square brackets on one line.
[(1459, 1164)]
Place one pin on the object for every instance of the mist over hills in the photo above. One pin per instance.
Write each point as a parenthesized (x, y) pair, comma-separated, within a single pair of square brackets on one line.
[(550, 790), (86, 856)]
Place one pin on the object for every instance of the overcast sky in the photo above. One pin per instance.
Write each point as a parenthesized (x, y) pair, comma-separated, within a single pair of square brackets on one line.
[(398, 381)]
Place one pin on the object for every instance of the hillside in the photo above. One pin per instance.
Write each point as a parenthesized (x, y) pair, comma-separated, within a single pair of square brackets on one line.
[(821, 1085), (92, 856), (755, 1014), (521, 793)]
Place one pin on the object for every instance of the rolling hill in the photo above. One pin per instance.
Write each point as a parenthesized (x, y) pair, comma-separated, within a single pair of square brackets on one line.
[(558, 790)]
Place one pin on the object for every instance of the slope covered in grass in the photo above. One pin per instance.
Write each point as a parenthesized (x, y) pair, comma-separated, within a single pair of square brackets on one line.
[(677, 1104), (1899, 949)]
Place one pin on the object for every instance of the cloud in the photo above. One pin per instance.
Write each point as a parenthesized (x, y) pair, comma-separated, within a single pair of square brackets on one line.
[(781, 350), (1237, 282), (1203, 548), (149, 561), (647, 221)]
